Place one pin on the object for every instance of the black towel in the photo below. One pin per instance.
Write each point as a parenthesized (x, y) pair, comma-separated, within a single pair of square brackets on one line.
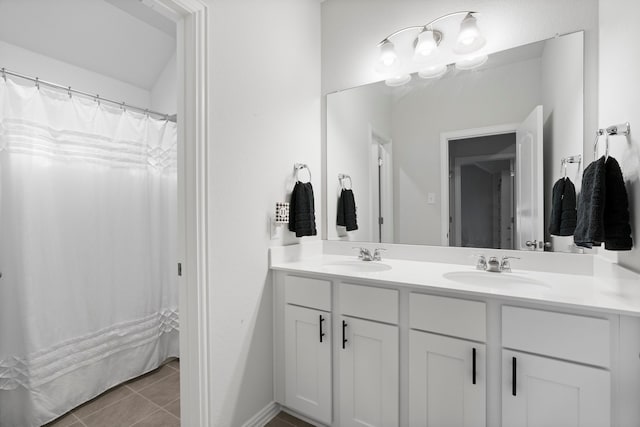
[(563, 208), (347, 210), (603, 210), (302, 217), (590, 227), (617, 229)]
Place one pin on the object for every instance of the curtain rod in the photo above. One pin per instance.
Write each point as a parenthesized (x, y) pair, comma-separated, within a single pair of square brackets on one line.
[(97, 98)]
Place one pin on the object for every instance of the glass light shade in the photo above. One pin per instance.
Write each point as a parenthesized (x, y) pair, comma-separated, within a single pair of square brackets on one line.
[(471, 62), (469, 39), (433, 72), (425, 45), (399, 80), (388, 58)]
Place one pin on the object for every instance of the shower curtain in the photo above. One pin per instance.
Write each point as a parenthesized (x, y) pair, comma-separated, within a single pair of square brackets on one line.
[(88, 292)]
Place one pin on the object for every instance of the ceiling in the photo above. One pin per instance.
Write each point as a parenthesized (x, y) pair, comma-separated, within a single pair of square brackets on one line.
[(122, 39)]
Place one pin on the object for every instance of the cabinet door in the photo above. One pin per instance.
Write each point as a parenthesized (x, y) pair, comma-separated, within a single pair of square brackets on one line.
[(551, 393), (442, 372), (308, 362), (368, 374)]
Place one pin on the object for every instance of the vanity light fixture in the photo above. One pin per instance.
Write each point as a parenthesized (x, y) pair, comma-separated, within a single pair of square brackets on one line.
[(426, 44)]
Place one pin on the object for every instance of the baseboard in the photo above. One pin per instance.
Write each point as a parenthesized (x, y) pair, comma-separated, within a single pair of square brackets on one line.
[(265, 415)]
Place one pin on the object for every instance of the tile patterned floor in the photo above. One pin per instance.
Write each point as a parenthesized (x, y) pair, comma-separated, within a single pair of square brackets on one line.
[(286, 420), (152, 400)]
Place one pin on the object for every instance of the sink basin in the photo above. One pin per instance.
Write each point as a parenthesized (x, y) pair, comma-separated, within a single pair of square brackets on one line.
[(483, 278), (356, 267)]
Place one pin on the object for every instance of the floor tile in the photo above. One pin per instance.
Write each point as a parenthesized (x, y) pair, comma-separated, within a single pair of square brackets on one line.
[(159, 419), (277, 422), (173, 407), (164, 391), (105, 399), (175, 364), (293, 420), (150, 378), (122, 413), (66, 420)]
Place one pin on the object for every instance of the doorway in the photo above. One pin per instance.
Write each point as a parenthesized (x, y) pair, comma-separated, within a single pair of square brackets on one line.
[(381, 178), (482, 199)]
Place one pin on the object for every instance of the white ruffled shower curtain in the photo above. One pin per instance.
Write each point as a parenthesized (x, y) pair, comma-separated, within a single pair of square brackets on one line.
[(88, 293)]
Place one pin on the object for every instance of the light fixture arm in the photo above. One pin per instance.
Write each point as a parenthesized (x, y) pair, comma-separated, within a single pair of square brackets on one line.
[(425, 26)]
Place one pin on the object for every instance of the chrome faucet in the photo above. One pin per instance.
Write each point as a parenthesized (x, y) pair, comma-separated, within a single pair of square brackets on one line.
[(366, 255), (493, 264)]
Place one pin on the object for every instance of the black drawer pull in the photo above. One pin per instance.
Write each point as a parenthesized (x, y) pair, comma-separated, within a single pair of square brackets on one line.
[(474, 364), (322, 334), (344, 340), (513, 375)]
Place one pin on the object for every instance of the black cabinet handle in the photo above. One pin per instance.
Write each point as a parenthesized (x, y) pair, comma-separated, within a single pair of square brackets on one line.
[(474, 364), (513, 375), (344, 328), (320, 326)]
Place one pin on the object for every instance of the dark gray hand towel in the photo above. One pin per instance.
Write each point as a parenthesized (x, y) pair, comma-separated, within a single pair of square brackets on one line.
[(617, 229), (590, 226), (347, 210), (563, 208), (302, 216), (556, 207)]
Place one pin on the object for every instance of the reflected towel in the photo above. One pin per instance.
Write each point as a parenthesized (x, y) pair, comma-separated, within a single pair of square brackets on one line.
[(347, 210), (563, 208)]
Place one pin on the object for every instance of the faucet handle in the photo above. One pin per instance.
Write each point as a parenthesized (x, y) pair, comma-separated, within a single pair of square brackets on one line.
[(505, 265), (481, 264), (376, 254)]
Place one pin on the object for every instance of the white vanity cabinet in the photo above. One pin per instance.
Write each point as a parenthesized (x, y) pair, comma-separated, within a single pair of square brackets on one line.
[(447, 365), (307, 345), (567, 383), (396, 355), (368, 356)]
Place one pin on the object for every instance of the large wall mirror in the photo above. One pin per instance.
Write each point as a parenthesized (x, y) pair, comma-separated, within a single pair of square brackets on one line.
[(465, 159)]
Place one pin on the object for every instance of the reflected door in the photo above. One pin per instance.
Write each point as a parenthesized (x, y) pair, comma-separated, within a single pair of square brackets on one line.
[(529, 194)]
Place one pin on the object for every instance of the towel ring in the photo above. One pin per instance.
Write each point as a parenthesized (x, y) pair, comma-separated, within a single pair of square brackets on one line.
[(300, 166), (342, 177)]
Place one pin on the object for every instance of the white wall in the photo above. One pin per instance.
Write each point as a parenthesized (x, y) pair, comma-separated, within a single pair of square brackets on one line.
[(619, 87), (265, 97), (33, 64), (164, 93), (563, 109), (470, 100), (350, 116)]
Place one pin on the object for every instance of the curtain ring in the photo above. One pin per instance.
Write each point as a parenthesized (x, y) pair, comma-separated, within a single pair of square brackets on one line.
[(123, 106), (37, 83), (98, 99), (69, 91), (4, 74)]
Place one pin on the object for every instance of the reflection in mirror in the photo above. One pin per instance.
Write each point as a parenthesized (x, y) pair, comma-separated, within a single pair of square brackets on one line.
[(458, 160)]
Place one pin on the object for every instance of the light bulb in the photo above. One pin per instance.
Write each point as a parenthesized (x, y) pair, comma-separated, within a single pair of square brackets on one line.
[(425, 43), (388, 55), (469, 39)]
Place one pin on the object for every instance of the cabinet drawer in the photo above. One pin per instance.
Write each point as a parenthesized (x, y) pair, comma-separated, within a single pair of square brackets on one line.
[(308, 292), (448, 316), (369, 302), (565, 336)]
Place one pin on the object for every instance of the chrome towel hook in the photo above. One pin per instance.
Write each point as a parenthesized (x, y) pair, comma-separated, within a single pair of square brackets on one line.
[(341, 178)]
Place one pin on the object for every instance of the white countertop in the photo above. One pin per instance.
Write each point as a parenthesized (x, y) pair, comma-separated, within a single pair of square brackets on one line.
[(612, 295)]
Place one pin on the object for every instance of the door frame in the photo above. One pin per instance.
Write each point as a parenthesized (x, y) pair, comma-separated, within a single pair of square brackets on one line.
[(378, 141), (192, 52), (445, 137)]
